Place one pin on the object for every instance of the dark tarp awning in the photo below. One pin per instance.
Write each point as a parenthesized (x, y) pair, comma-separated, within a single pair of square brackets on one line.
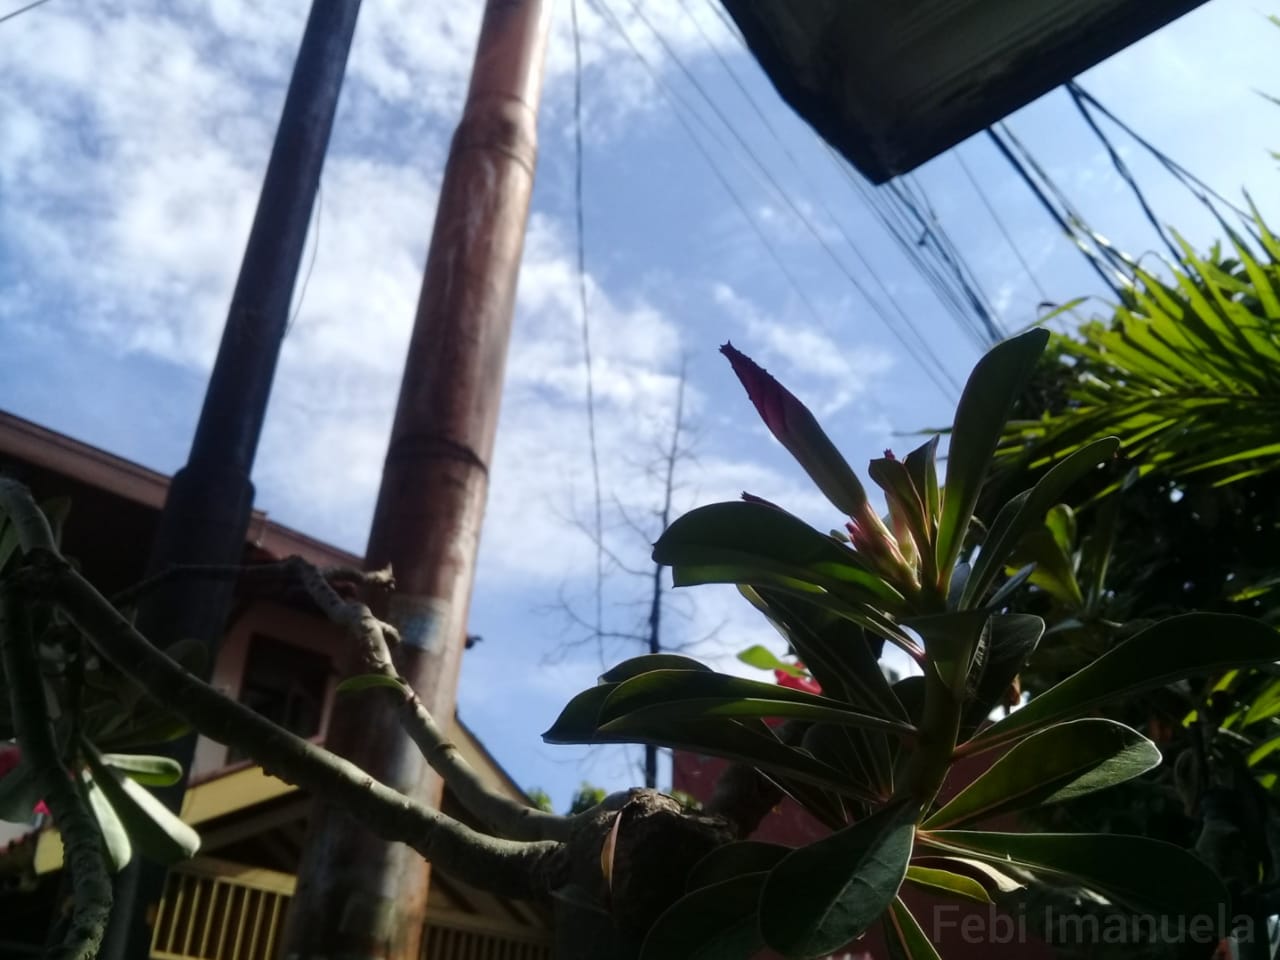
[(893, 84)]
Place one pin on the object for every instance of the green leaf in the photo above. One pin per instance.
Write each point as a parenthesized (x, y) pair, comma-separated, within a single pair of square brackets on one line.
[(1139, 873), (1191, 644), (1052, 570), (762, 658), (865, 757), (1026, 511), (992, 878), (19, 793), (579, 720), (767, 542), (115, 838), (692, 694), (903, 934), (1263, 750), (370, 681), (650, 661), (822, 896), (840, 654), (716, 922), (951, 640), (730, 739), (156, 832), (988, 396), (947, 883), (734, 860), (150, 771), (922, 466), (905, 502), (1011, 638), (1063, 762)]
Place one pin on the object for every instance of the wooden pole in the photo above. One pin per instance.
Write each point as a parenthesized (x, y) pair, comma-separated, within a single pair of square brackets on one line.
[(357, 896)]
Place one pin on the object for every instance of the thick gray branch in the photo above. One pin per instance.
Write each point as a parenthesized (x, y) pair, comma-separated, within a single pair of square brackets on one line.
[(519, 821), (502, 866), (90, 883)]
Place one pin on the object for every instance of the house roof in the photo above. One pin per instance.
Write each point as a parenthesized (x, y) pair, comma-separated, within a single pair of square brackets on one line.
[(892, 85), (53, 464)]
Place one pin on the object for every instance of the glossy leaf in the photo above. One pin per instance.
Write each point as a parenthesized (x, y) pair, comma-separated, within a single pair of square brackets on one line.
[(922, 466), (1191, 644), (988, 396), (650, 661), (903, 935), (1027, 511), (730, 739), (579, 720), (156, 832), (822, 896), (763, 658), (735, 859), (947, 884), (115, 838), (865, 757), (951, 641), (841, 655), (370, 681), (1139, 873), (150, 771), (689, 694), (906, 503), (1011, 639), (715, 922), (1052, 570), (990, 878), (755, 537), (1063, 762)]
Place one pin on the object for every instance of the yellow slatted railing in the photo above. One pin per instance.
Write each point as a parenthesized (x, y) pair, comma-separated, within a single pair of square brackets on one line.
[(214, 910)]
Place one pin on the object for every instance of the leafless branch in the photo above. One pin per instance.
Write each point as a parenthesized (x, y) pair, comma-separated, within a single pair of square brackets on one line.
[(513, 868), (90, 883)]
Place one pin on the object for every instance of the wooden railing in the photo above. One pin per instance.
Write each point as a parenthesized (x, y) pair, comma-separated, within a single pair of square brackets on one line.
[(215, 910)]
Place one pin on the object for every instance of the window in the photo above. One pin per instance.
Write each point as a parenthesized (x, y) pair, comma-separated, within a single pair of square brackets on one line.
[(286, 684)]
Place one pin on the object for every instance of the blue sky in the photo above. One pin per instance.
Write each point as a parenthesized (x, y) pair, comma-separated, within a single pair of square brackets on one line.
[(132, 139)]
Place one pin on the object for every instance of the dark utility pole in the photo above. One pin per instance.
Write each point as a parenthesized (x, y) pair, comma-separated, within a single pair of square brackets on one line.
[(210, 500), (360, 898)]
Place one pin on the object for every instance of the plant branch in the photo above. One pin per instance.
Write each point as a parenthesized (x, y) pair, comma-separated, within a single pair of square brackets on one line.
[(86, 863), (503, 866), (508, 817)]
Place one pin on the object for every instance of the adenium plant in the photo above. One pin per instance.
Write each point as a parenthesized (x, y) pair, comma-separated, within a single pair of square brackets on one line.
[(868, 757)]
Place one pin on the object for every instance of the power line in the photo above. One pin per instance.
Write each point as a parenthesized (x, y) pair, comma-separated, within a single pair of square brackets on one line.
[(1004, 232), (21, 10), (1198, 188), (795, 163), (1122, 169), (602, 7), (586, 316), (997, 137), (948, 254), (947, 250), (922, 345), (894, 221), (311, 261)]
